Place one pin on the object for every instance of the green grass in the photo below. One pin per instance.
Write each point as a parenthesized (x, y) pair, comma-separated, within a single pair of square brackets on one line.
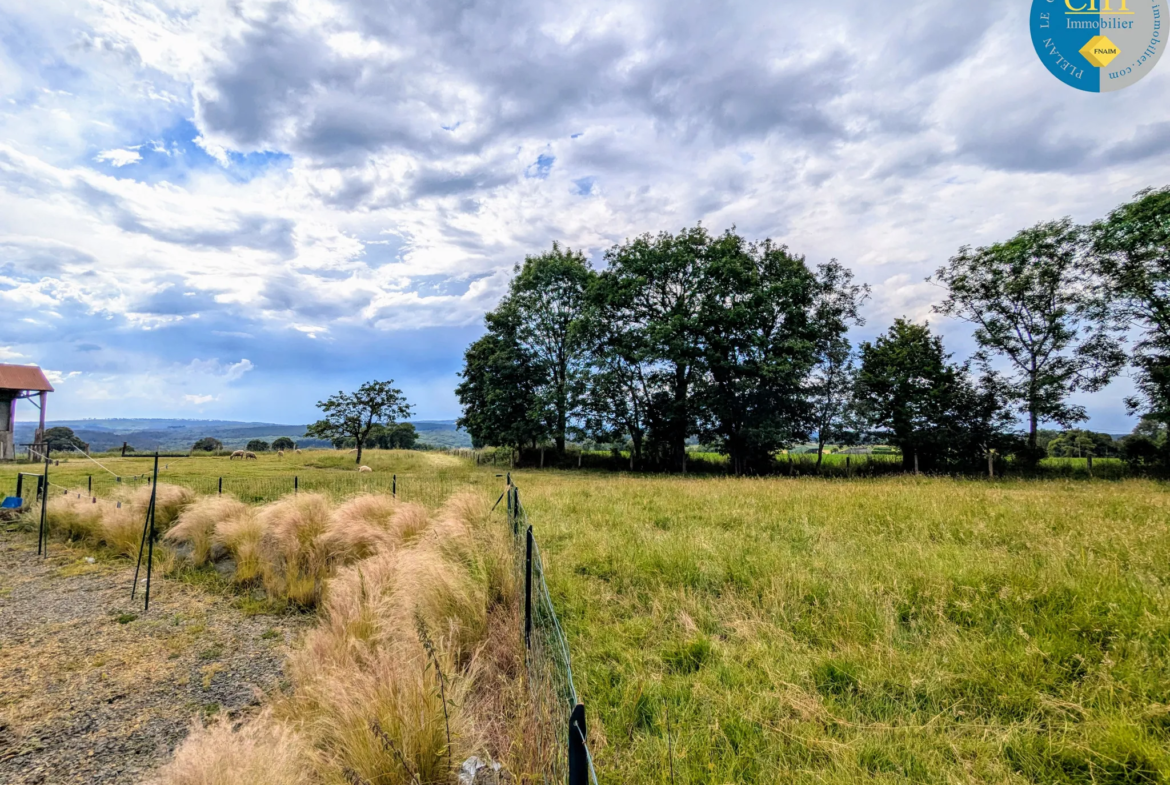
[(889, 630), (424, 477)]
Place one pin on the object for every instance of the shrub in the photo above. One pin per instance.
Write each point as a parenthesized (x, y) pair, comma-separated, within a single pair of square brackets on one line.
[(197, 523)]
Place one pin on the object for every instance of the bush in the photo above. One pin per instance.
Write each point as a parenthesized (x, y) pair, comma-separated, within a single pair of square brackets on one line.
[(207, 444), (258, 445), (284, 443)]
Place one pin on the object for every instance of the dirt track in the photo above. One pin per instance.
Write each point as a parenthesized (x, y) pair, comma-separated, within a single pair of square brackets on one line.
[(92, 690)]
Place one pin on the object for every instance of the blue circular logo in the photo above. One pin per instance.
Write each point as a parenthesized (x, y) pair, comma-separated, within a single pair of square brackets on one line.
[(1099, 45)]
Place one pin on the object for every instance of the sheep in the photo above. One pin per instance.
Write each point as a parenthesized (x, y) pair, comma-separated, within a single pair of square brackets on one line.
[(364, 469), (347, 452), (280, 453), (250, 456), (236, 454), (297, 451)]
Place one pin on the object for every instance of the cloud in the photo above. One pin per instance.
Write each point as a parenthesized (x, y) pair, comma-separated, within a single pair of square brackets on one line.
[(8, 353), (315, 184), (118, 157), (199, 400)]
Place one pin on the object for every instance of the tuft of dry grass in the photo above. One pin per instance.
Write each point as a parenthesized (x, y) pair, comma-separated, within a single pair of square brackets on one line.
[(262, 752), (294, 560), (196, 525), (240, 536)]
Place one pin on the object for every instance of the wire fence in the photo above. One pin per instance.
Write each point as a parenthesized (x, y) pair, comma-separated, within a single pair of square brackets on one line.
[(559, 734)]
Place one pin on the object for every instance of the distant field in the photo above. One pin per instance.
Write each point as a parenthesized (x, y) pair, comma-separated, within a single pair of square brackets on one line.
[(888, 630), (426, 477)]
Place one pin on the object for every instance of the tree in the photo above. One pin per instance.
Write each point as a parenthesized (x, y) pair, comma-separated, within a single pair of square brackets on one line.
[(927, 407), (355, 414), (258, 445), (549, 295), (830, 386), (654, 291), (283, 443), (62, 439), (498, 393), (207, 444), (760, 336), (399, 436), (1131, 253), (1028, 299)]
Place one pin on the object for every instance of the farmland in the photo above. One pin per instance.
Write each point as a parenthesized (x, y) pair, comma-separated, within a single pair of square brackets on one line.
[(801, 629)]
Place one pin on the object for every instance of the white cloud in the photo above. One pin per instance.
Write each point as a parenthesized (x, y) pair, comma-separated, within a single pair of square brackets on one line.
[(8, 353), (60, 377), (199, 400), (118, 157)]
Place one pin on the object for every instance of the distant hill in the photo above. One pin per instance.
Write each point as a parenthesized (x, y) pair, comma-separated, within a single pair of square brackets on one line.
[(167, 434)]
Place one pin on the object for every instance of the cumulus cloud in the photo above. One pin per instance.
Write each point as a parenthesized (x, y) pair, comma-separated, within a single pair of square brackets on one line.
[(301, 182)]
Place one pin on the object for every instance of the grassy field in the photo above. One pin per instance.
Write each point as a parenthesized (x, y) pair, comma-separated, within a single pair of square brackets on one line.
[(896, 629), (424, 477), (890, 630)]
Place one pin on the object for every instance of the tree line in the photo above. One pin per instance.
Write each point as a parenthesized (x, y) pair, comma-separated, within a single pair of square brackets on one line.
[(744, 346)]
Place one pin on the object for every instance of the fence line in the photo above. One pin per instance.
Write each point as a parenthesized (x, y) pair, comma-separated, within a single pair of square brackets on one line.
[(560, 735)]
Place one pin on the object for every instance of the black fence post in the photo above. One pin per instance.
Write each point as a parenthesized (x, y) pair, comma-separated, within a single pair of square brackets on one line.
[(578, 753), (296, 484), (394, 486), (221, 486), (43, 532), (20, 487), (528, 592), (91, 483)]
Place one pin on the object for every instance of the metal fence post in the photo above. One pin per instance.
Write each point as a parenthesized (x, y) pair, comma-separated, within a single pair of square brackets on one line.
[(43, 533), (528, 593), (20, 487), (221, 486), (394, 486), (91, 483), (296, 484), (578, 754)]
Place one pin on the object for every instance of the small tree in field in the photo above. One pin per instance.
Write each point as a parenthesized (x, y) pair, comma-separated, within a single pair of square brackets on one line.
[(354, 415), (283, 443), (207, 444), (258, 445)]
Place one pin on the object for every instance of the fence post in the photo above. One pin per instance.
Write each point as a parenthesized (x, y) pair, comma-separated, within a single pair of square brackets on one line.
[(394, 486), (20, 487), (91, 483), (43, 532), (296, 484), (578, 753), (528, 592), (1090, 458), (221, 486)]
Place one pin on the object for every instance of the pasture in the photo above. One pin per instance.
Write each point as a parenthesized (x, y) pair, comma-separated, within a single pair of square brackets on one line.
[(803, 629)]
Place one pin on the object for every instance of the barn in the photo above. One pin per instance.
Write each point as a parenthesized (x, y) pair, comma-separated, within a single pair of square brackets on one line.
[(20, 382)]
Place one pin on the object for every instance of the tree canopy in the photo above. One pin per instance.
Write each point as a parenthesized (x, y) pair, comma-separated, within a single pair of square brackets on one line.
[(207, 444), (354, 415)]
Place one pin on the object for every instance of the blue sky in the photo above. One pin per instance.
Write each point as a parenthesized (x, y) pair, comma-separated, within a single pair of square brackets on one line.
[(233, 209)]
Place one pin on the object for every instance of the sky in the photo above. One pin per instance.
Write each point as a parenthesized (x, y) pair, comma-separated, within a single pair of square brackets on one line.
[(233, 209)]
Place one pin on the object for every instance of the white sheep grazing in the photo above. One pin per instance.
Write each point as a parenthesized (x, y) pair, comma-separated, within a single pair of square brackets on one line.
[(250, 456), (236, 454), (298, 452), (280, 453), (347, 452), (364, 469)]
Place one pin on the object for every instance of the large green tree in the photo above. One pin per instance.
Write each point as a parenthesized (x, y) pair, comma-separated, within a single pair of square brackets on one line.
[(924, 404), (354, 415), (654, 290), (1029, 300), (549, 296), (1131, 251), (760, 336), (62, 439), (500, 388)]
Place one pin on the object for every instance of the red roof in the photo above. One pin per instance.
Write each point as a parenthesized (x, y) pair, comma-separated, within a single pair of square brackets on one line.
[(23, 377)]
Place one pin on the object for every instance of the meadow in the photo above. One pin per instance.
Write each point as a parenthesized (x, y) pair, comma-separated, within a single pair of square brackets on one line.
[(805, 629), (889, 630)]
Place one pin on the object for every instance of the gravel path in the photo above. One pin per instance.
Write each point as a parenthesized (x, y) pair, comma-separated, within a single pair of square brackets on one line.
[(93, 690)]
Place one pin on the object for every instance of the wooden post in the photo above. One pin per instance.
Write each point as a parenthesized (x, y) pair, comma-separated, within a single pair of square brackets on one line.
[(916, 461), (991, 464), (1090, 459)]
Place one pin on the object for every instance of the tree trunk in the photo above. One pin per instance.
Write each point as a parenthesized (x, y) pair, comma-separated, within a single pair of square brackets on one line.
[(359, 451), (820, 453), (1033, 420)]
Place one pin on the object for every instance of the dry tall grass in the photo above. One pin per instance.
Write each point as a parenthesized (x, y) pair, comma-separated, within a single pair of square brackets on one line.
[(381, 683), (197, 525), (114, 523)]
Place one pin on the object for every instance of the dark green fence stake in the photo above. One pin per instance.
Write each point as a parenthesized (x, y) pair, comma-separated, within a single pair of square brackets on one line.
[(394, 486), (43, 533), (147, 540), (296, 484), (91, 483), (528, 593), (578, 754), (221, 486)]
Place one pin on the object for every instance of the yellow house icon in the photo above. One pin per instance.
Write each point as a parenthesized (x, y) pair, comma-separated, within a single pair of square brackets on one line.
[(1100, 51)]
